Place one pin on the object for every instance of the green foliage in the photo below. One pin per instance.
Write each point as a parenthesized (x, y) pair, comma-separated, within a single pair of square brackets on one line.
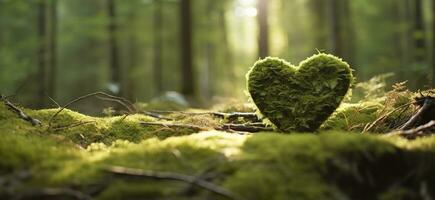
[(299, 98)]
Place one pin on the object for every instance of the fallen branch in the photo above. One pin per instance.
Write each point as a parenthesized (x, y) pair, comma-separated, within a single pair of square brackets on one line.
[(248, 127), (426, 129), (21, 114), (382, 117), (172, 125), (423, 115), (235, 115), (232, 115), (157, 116), (72, 125), (143, 174), (244, 127)]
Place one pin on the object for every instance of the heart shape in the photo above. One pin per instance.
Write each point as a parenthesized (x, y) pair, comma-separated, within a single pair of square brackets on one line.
[(298, 98)]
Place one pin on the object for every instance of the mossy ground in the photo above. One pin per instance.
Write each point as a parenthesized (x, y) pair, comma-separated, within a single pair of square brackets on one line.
[(332, 164)]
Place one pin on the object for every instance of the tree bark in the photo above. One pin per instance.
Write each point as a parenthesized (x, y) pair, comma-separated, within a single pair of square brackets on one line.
[(188, 86), (158, 48), (115, 70), (433, 44), (337, 33), (42, 51), (263, 36), (349, 34), (53, 50), (319, 12), (419, 33)]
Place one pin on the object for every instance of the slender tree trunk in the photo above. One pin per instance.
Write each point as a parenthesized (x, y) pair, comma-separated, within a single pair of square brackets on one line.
[(398, 13), (42, 52), (419, 33), (115, 70), (321, 34), (188, 86), (53, 50), (227, 60), (349, 33), (337, 33), (433, 44), (263, 36), (158, 41), (132, 60)]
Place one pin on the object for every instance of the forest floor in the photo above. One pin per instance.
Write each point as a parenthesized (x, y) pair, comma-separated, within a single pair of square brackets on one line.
[(222, 153)]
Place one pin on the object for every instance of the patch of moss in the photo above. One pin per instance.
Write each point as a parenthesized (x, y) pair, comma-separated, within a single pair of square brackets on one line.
[(298, 98), (378, 115), (84, 130), (261, 166), (353, 116)]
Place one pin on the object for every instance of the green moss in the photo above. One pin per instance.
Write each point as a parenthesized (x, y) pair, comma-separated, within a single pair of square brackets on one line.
[(84, 130), (382, 114), (272, 166), (299, 98), (262, 166), (353, 116)]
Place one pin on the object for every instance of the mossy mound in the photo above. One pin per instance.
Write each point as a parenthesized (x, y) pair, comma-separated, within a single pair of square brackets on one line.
[(84, 130), (42, 162), (263, 166), (382, 114), (299, 98)]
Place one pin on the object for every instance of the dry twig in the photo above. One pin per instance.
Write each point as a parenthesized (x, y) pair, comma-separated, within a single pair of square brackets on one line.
[(19, 112), (127, 104), (426, 129), (172, 125), (143, 174)]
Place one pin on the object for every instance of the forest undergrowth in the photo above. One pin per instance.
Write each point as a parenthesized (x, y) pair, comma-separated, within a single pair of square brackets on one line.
[(377, 145)]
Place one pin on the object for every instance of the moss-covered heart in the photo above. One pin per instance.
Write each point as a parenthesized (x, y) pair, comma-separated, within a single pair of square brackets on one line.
[(298, 98)]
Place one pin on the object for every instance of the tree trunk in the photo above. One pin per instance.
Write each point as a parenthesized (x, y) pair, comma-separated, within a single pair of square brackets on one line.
[(419, 33), (349, 34), (42, 52), (53, 48), (433, 44), (321, 34), (158, 41), (337, 33), (115, 70), (263, 36), (188, 86)]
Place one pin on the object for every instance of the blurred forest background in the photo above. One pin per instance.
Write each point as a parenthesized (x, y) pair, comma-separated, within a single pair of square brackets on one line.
[(141, 49)]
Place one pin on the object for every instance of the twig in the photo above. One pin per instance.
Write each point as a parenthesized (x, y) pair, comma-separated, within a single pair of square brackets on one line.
[(426, 129), (248, 127), (19, 112), (154, 115), (54, 101), (116, 99), (371, 125), (418, 117), (231, 115), (144, 174), (72, 125), (235, 115), (244, 127), (130, 108), (171, 125)]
